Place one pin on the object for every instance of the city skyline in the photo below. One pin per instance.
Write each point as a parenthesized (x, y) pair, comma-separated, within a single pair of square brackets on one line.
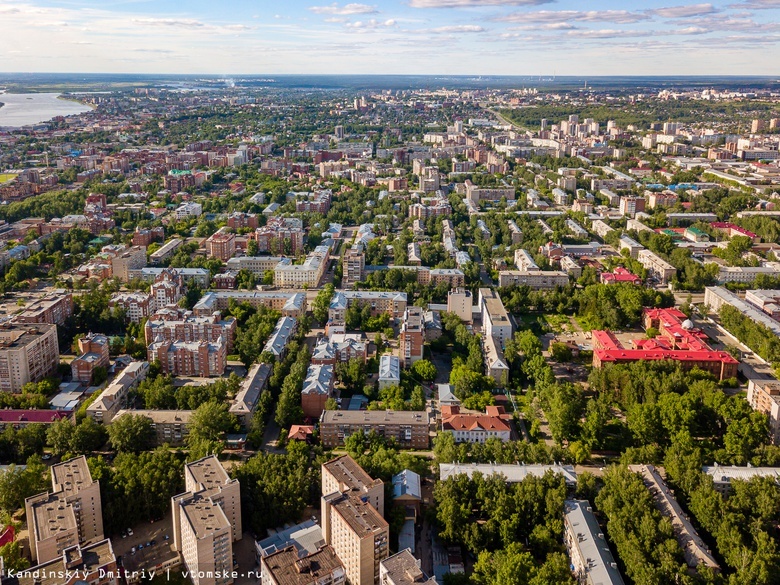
[(447, 37)]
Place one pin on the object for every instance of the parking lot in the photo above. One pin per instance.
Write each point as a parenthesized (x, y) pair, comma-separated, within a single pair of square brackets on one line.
[(146, 557)]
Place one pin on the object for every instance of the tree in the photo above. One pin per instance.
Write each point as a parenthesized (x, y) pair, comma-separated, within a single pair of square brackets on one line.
[(560, 352), (13, 558), (131, 433), (352, 374), (17, 484), (321, 303), (208, 425), (60, 436), (425, 370), (88, 436), (479, 401)]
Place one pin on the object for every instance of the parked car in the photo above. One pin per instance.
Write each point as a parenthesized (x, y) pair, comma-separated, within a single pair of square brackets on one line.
[(129, 532)]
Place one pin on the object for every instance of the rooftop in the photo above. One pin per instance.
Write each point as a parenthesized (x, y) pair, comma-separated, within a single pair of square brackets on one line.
[(204, 516), (404, 569), (374, 417), (307, 537), (349, 475), (287, 567), (592, 545), (71, 476), (93, 557), (208, 474), (361, 516), (514, 473)]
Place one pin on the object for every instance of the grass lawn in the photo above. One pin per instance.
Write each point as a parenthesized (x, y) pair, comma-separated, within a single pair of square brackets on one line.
[(584, 322), (558, 323), (5, 177)]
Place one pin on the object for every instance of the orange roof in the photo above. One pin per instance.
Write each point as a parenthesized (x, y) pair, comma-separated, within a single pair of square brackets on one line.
[(474, 422)]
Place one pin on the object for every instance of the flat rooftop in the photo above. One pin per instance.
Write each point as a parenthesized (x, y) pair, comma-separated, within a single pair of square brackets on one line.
[(208, 473), (513, 473), (93, 557), (204, 516), (288, 568), (53, 516), (403, 568), (361, 516), (71, 476)]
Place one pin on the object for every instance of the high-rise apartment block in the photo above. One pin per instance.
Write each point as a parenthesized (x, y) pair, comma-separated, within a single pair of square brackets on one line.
[(206, 521), (69, 515), (28, 353)]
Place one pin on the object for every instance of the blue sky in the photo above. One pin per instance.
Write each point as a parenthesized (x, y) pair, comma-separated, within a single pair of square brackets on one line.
[(486, 37)]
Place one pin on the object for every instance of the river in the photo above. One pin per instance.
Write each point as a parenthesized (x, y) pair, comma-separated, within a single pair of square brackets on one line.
[(25, 109)]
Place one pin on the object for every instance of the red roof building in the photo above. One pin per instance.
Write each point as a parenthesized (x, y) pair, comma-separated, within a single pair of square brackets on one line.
[(620, 274), (21, 418), (475, 428), (677, 340)]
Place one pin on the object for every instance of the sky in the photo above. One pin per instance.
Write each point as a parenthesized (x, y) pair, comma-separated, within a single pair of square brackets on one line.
[(425, 37)]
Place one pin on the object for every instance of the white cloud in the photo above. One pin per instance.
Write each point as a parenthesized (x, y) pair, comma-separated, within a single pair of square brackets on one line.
[(458, 28), (607, 33), (170, 22), (758, 5), (346, 10), (370, 24), (690, 30), (684, 11), (474, 3), (547, 16)]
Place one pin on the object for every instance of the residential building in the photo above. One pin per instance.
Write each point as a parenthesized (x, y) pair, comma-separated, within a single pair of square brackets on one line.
[(93, 350), (114, 397), (203, 535), (764, 397), (411, 337), (340, 348), (732, 230), (389, 371), (723, 475), (244, 404), (476, 194), (257, 265), (177, 324), (202, 358), (633, 247), (695, 551), (187, 210), (207, 477), (460, 302), (677, 341), (619, 275), (289, 566), (128, 259), (306, 537), (358, 534), (344, 475), (238, 220), (283, 332), (591, 560), (93, 563), (715, 297), (747, 274), (495, 363), (20, 418), (535, 279), (354, 266), (144, 237), (317, 388), (475, 428), (495, 320), (165, 251), (169, 426), (167, 289), (408, 428), (515, 232), (403, 569), (524, 261), (198, 276), (512, 473), (28, 353), (68, 515), (306, 275), (766, 300), (280, 235), (136, 305), (407, 491), (289, 304), (656, 266), (221, 245), (392, 303), (570, 266), (630, 206), (54, 308)]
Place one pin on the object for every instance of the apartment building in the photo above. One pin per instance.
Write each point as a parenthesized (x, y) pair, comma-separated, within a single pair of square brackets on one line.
[(495, 363), (317, 388), (317, 202), (238, 220), (656, 266), (169, 426), (764, 397), (630, 206), (128, 259), (343, 474), (358, 534), (403, 569), (144, 237), (289, 304), (461, 303), (203, 535), (207, 477), (114, 396), (524, 261), (54, 308), (476, 194), (392, 303), (306, 275), (591, 560), (165, 251), (633, 247), (93, 563), (137, 306), (257, 265), (716, 297), (411, 337), (510, 472), (177, 324), (280, 235), (93, 353), (198, 276), (288, 566), (766, 300), (283, 332), (747, 274), (409, 428), (221, 245), (202, 358), (495, 320), (252, 386), (696, 553), (723, 475), (69, 515), (354, 265), (341, 347), (28, 353), (432, 207), (535, 279)]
